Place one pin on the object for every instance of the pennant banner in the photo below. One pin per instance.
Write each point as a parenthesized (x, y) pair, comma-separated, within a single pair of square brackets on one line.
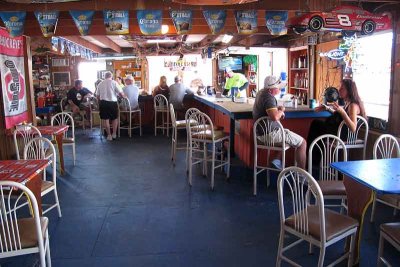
[(276, 22), (48, 22), (246, 21), (12, 74), (14, 22), (150, 21), (83, 20), (215, 20), (116, 21), (182, 20)]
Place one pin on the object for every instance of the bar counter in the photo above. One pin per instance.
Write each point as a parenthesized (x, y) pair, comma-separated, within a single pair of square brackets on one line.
[(237, 120)]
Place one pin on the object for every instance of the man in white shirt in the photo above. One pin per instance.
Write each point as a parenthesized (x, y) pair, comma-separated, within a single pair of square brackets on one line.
[(108, 91), (131, 91), (177, 92)]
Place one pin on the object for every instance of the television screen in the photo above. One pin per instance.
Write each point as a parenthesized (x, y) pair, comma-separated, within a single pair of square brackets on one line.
[(234, 62)]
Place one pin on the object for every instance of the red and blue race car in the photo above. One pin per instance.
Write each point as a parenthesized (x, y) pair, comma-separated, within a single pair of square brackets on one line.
[(347, 19)]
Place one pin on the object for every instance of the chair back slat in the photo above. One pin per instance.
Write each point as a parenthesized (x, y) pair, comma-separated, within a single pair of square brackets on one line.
[(124, 105), (385, 147), (64, 118), (302, 187), (24, 134), (160, 102), (268, 133), (173, 117), (11, 196), (329, 148), (353, 138), (39, 148), (200, 125)]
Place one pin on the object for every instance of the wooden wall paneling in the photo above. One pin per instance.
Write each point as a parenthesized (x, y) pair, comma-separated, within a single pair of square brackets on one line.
[(327, 72)]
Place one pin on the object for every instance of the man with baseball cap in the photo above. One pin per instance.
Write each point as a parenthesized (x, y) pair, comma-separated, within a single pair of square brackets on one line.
[(235, 80), (266, 105)]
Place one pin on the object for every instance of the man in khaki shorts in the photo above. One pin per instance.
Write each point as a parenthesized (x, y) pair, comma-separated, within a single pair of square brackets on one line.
[(266, 104)]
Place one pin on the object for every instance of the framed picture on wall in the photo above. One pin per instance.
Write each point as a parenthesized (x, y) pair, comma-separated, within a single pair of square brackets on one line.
[(61, 78), (138, 84), (137, 74)]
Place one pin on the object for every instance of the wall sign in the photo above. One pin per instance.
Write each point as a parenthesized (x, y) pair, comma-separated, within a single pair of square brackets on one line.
[(150, 21), (12, 74), (116, 21), (180, 64)]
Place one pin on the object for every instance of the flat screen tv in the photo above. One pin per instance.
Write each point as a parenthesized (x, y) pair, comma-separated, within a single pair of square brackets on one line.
[(235, 63)]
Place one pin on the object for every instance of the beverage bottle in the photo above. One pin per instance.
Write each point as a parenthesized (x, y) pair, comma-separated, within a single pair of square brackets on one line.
[(300, 60), (296, 80)]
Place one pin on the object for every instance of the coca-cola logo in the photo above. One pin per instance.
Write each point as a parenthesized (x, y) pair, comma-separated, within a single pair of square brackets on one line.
[(15, 85)]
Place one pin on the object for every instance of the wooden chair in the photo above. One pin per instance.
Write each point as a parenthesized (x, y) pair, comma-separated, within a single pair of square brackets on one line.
[(308, 222), (38, 148), (24, 133), (390, 232), (21, 236), (330, 149), (385, 147), (64, 118), (202, 135), (161, 108), (176, 125), (125, 108), (267, 136), (357, 139)]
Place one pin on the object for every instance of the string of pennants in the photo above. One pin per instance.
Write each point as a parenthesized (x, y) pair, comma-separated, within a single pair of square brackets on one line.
[(66, 47), (116, 22)]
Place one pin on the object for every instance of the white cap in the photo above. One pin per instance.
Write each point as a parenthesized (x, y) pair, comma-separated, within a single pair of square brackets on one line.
[(273, 82), (129, 77), (228, 69)]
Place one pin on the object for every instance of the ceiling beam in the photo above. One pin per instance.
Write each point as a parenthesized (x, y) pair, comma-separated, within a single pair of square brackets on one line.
[(78, 40), (107, 42)]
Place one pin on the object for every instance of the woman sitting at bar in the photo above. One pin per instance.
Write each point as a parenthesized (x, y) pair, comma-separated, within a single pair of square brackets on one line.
[(353, 106), (162, 88)]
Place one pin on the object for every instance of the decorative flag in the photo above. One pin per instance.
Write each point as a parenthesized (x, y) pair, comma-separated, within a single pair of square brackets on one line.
[(150, 21), (276, 22), (14, 22), (12, 73), (48, 22), (246, 21), (54, 43), (116, 21), (62, 46), (182, 20), (83, 20), (215, 20)]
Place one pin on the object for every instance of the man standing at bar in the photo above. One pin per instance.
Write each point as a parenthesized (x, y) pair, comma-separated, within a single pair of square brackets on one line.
[(235, 80), (266, 105), (108, 91)]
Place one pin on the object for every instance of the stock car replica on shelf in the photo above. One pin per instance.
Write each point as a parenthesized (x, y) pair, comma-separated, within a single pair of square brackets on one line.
[(347, 19)]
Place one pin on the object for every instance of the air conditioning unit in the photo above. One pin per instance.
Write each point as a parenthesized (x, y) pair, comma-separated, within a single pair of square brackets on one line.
[(60, 62)]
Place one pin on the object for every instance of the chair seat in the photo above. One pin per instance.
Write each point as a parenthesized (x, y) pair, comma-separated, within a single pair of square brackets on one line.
[(261, 144), (392, 230), (68, 140), (205, 127), (181, 124), (46, 185), (391, 199), (27, 231), (332, 188), (207, 134), (335, 223)]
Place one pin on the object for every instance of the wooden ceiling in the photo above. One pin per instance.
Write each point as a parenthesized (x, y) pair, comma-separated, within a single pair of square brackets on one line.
[(197, 41)]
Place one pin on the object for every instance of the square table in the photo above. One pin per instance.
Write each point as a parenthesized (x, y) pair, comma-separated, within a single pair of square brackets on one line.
[(57, 132), (25, 172), (361, 178)]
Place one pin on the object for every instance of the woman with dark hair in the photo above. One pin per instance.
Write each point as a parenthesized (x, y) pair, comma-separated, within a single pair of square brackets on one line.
[(353, 107), (162, 88)]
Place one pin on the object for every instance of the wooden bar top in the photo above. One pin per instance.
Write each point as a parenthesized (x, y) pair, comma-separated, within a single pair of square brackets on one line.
[(237, 110)]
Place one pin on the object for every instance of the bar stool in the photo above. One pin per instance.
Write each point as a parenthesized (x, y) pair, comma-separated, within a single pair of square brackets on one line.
[(176, 125), (125, 108), (161, 107), (82, 113), (202, 135), (357, 139), (270, 136), (385, 147), (390, 232)]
